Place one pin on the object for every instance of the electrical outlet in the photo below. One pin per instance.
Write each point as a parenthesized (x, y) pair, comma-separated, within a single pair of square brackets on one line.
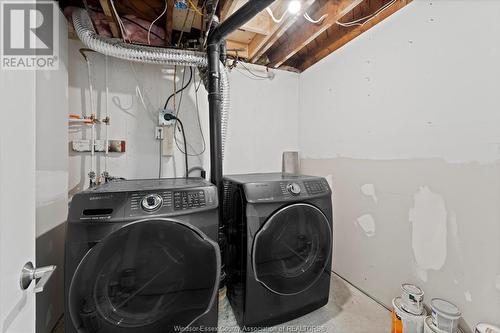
[(161, 117), (159, 133)]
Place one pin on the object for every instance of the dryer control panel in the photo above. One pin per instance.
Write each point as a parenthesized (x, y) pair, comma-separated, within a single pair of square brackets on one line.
[(292, 190)]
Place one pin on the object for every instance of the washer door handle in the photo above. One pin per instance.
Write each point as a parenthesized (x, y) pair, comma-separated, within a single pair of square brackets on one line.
[(30, 273)]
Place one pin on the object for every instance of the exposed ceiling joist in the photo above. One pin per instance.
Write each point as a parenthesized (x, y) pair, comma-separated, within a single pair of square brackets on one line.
[(261, 43), (339, 36), (169, 22), (335, 9), (113, 22), (237, 49)]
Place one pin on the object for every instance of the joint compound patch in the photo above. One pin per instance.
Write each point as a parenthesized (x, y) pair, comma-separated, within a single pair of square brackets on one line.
[(497, 282), (367, 223), (468, 296), (369, 191), (429, 229)]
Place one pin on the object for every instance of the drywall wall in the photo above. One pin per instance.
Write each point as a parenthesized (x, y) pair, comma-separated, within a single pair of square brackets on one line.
[(51, 103), (405, 121), (263, 121)]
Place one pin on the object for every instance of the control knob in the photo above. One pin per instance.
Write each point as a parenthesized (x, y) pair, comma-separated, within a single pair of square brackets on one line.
[(151, 202), (293, 188)]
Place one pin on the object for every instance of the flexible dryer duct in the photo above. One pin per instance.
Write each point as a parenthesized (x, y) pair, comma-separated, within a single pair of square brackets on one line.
[(150, 55)]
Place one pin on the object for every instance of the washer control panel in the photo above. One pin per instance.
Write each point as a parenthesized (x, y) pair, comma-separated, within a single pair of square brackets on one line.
[(170, 201), (316, 186), (151, 202), (189, 199)]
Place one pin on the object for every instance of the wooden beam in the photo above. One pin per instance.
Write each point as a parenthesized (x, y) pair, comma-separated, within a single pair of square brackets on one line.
[(260, 24), (228, 8), (169, 22), (261, 43), (112, 19), (237, 48), (335, 9), (339, 36)]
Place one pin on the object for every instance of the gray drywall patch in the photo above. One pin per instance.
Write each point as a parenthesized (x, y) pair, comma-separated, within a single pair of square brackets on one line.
[(497, 282), (367, 223), (429, 230)]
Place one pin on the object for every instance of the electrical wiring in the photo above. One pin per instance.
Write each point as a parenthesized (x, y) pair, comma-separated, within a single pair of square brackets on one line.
[(182, 89), (194, 8), (141, 26), (362, 21), (152, 23), (198, 119), (169, 117), (256, 75), (120, 22), (307, 17), (270, 12)]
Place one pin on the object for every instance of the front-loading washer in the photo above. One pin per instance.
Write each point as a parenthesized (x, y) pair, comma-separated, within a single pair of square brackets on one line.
[(142, 256)]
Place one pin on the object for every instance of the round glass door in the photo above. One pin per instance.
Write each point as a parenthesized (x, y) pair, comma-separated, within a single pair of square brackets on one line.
[(292, 249), (149, 276)]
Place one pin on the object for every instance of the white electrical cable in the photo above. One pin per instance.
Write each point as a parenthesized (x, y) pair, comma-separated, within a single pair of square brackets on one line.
[(120, 22), (270, 12), (362, 21), (307, 17), (152, 23)]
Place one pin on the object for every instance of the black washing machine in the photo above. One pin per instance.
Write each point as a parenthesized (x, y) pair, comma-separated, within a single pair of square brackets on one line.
[(142, 256), (279, 235)]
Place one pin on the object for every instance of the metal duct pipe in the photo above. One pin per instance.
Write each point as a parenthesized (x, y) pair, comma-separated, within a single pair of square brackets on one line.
[(215, 38), (150, 55)]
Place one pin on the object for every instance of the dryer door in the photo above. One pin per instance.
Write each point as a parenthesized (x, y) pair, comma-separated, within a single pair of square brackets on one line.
[(149, 276), (292, 249)]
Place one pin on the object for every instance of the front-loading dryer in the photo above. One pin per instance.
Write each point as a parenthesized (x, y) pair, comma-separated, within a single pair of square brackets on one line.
[(279, 244), (142, 256)]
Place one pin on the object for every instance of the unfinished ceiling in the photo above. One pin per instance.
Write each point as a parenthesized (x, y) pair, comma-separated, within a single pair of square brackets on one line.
[(275, 37)]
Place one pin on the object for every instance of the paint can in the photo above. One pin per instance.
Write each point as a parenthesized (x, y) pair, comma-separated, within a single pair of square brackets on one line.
[(412, 299), (487, 328), (429, 327), (445, 315), (404, 321)]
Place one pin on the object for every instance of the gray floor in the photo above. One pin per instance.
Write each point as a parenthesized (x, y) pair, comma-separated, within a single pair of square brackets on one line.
[(349, 311)]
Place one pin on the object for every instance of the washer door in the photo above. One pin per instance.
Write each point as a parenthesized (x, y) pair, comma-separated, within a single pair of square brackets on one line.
[(292, 249), (149, 276)]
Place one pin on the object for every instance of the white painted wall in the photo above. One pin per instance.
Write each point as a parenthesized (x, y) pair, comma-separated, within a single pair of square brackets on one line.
[(263, 119), (405, 118), (51, 103)]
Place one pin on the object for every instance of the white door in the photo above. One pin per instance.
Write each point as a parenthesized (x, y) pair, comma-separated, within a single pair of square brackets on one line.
[(17, 198)]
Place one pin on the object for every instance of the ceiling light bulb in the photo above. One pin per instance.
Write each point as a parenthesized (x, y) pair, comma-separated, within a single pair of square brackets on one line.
[(294, 6)]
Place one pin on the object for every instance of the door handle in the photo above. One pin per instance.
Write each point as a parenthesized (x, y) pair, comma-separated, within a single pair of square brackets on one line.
[(30, 273)]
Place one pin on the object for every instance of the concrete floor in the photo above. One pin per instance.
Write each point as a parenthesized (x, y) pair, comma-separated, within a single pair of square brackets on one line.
[(349, 311)]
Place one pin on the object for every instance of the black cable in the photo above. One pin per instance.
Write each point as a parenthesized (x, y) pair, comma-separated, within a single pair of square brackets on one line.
[(180, 90), (185, 147), (198, 118), (168, 117)]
